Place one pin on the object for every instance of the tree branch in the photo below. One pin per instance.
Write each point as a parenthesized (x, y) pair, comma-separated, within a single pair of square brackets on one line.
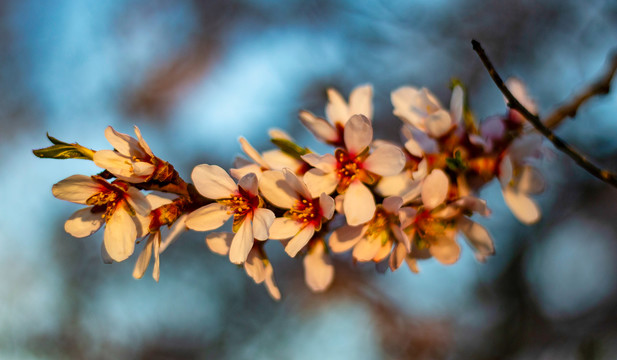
[(602, 86), (560, 144)]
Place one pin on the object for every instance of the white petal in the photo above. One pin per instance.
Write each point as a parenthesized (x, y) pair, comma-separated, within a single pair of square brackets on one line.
[(505, 171), (435, 189), (336, 109), (297, 242), (242, 242), (319, 182), (240, 171), (414, 148), (119, 165), (296, 184), (83, 223), (413, 264), (213, 182), (358, 134), (156, 269), (120, 235), (473, 204), (143, 169), (318, 268), (366, 250), (278, 160), (392, 204), (394, 185), (178, 227), (284, 228), (138, 201), (76, 188), (144, 259), (249, 183), (322, 129), (401, 237), (326, 203), (275, 133), (518, 89), (345, 237), (530, 181), (142, 143), (123, 143), (254, 266), (273, 290), (276, 190), (478, 237), (404, 99), (219, 242), (361, 101), (386, 160), (445, 250), (438, 123), (209, 217), (397, 256), (252, 153), (359, 204), (456, 104), (262, 220), (157, 199), (522, 206), (325, 162)]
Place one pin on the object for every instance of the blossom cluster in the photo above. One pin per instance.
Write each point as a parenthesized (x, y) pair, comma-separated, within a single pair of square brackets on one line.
[(382, 202)]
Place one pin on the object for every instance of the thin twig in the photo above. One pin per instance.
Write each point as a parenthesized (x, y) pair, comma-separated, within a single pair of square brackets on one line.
[(561, 145), (602, 86)]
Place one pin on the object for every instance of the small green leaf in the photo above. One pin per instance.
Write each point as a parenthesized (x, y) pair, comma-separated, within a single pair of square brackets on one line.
[(456, 163), (62, 150), (290, 148)]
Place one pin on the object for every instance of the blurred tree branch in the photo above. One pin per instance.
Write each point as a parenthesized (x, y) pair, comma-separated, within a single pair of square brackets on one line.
[(559, 143)]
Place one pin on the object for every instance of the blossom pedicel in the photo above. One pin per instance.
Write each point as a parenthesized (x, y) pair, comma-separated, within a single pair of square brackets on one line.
[(387, 204)]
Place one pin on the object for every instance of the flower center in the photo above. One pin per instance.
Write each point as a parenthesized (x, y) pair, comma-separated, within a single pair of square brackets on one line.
[(379, 226), (241, 203), (348, 167), (307, 211), (427, 226)]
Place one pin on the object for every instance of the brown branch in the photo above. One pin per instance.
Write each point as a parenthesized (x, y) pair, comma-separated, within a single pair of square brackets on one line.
[(602, 86), (560, 144)]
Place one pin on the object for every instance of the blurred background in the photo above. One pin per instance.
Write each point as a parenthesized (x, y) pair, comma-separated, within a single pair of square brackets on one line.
[(194, 76)]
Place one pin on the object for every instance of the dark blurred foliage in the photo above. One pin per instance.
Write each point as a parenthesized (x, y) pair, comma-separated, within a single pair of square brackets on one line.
[(196, 75)]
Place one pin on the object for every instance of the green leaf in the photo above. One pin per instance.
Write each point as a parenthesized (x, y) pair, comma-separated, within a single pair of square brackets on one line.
[(456, 163), (62, 150), (290, 148)]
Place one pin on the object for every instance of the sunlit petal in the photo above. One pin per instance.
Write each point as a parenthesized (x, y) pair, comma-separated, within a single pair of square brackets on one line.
[(435, 189), (208, 217), (262, 220), (322, 129), (319, 182), (358, 134), (359, 204), (318, 268), (213, 182), (242, 242), (345, 237), (299, 240), (76, 188), (386, 160), (83, 223), (120, 235)]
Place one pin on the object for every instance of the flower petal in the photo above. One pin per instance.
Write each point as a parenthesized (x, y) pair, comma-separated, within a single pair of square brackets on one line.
[(397, 256), (296, 184), (456, 104), (254, 266), (119, 165), (156, 269), (478, 237), (284, 228), (359, 204), (276, 190), (361, 101), (249, 183), (276, 133), (326, 163), (322, 129), (144, 259), (178, 227), (336, 109), (252, 153), (208, 217), (326, 203), (366, 249), (76, 188), (404, 99), (123, 143), (142, 143), (445, 249), (120, 235), (530, 181), (213, 182), (318, 268), (83, 223), (219, 242), (522, 206), (273, 290), (318, 181), (297, 242), (438, 123), (240, 171), (435, 189), (392, 204), (138, 201), (262, 220), (345, 237), (278, 160), (242, 242), (386, 160), (358, 134)]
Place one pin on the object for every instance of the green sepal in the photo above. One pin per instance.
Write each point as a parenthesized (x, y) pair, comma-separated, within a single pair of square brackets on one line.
[(290, 148), (456, 163), (62, 150)]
